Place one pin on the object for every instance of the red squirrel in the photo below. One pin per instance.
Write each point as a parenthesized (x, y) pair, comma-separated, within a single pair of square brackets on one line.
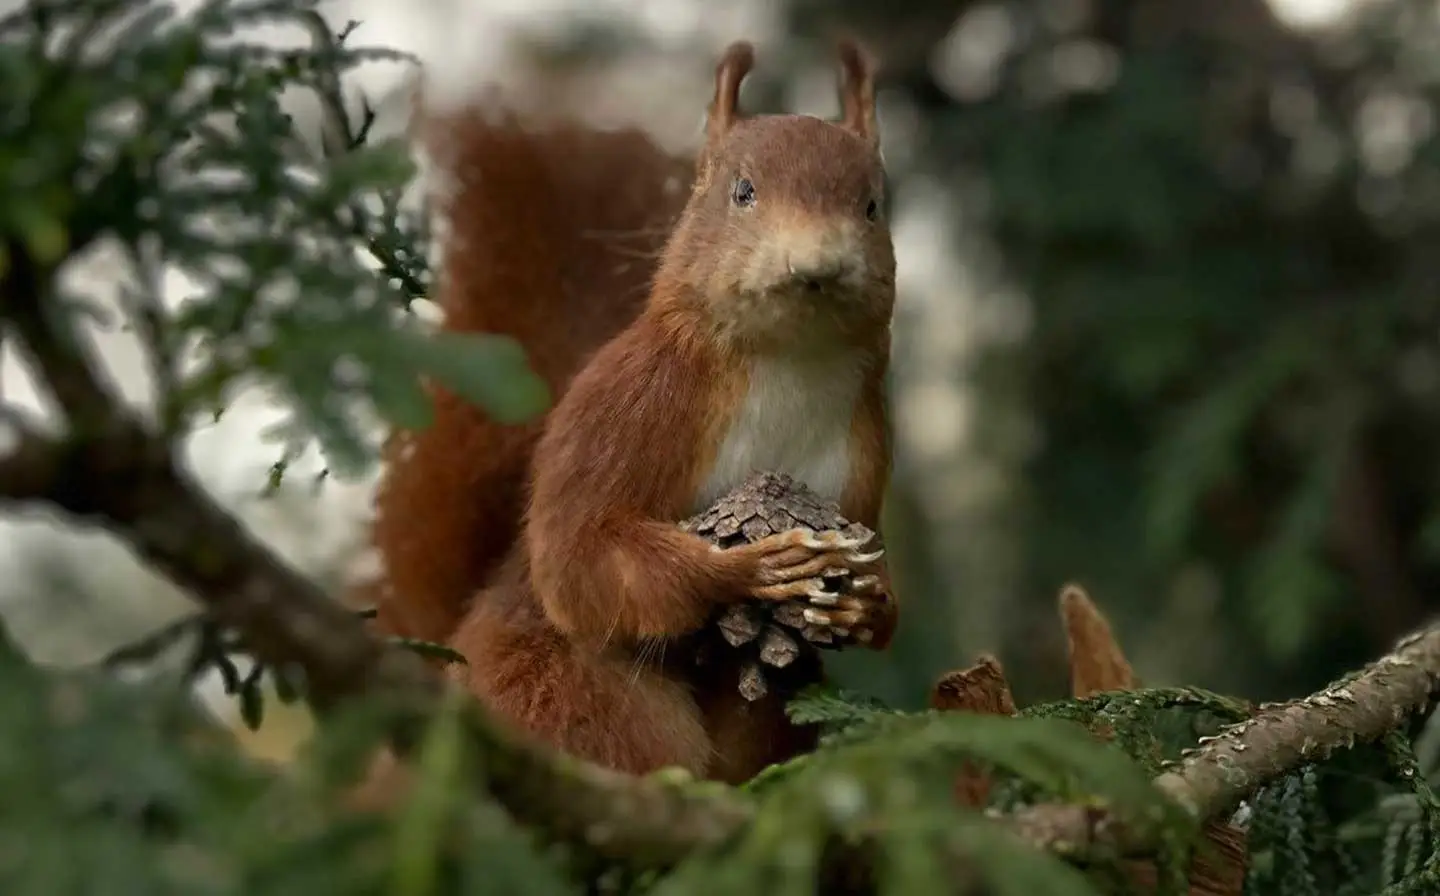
[(757, 336)]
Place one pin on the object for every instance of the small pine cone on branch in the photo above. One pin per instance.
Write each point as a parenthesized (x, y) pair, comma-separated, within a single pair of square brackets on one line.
[(774, 635)]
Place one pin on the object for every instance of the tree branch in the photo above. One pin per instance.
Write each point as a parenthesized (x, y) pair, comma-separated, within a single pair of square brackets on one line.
[(1211, 780), (29, 460), (339, 136), (35, 313), (111, 470)]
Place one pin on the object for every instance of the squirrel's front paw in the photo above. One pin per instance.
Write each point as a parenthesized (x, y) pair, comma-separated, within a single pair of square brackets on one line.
[(793, 565), (865, 615)]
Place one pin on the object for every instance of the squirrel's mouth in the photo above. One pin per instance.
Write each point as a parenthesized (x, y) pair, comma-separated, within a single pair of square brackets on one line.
[(822, 276), (837, 292)]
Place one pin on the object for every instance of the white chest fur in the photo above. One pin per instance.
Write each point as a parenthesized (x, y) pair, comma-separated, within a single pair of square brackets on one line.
[(795, 418)]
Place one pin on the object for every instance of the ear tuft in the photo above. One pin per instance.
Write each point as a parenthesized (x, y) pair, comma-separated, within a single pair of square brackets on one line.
[(735, 64), (857, 90)]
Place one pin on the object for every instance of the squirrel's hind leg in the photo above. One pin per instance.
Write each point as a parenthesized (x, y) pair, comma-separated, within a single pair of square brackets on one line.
[(748, 736), (602, 708)]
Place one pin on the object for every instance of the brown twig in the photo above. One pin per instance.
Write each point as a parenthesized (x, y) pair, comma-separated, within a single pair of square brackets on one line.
[(1097, 664), (1096, 661), (983, 689)]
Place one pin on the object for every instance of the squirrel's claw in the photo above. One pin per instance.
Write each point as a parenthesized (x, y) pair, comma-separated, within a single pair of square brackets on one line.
[(867, 585), (795, 563), (801, 558), (832, 540), (851, 616), (806, 589), (836, 619)]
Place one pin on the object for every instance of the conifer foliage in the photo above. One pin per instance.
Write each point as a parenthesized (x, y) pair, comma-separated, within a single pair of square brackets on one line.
[(162, 136)]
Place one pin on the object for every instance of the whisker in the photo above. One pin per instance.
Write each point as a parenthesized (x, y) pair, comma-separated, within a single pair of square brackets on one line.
[(641, 656)]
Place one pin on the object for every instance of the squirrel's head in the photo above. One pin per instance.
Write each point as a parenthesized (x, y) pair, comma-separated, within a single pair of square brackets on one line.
[(785, 233)]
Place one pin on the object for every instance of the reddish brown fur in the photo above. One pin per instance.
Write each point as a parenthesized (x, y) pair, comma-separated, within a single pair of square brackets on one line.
[(857, 91), (866, 492), (805, 172), (612, 476), (579, 637), (527, 672), (555, 235)]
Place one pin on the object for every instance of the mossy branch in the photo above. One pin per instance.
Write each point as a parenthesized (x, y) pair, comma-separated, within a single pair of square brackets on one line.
[(1212, 779)]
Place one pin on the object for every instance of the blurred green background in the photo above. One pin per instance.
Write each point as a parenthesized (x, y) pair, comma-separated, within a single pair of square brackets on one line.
[(1216, 406), (1187, 355)]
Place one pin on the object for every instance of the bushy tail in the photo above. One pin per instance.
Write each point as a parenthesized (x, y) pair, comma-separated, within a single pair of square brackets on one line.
[(549, 234)]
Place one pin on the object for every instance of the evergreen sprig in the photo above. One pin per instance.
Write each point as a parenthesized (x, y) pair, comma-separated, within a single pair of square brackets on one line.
[(165, 133)]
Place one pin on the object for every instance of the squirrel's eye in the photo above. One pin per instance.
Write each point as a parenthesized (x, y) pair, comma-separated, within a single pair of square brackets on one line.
[(872, 210), (743, 193)]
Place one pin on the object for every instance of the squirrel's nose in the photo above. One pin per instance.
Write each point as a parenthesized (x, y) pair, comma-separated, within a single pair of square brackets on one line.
[(818, 253), (817, 269)]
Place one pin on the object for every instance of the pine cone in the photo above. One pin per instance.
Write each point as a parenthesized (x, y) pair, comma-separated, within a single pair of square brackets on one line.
[(775, 633)]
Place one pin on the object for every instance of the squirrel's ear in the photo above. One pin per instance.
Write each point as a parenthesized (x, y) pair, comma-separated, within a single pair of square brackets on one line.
[(739, 58), (857, 90)]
